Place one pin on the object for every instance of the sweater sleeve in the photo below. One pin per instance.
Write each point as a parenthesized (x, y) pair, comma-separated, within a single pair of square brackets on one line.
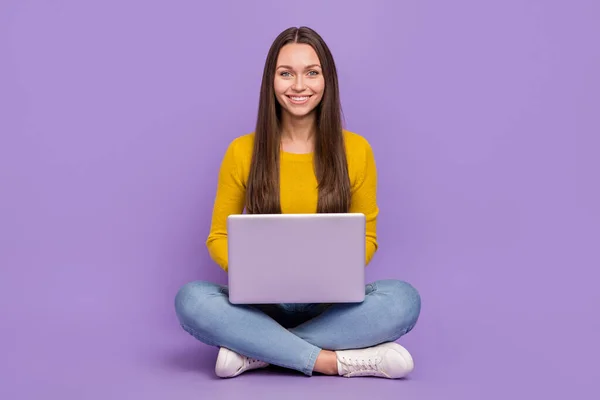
[(364, 200), (229, 199)]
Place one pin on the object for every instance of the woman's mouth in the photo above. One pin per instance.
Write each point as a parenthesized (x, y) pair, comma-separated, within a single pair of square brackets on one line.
[(298, 99)]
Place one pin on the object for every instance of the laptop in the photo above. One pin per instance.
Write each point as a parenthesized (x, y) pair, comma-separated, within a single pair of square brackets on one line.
[(296, 258)]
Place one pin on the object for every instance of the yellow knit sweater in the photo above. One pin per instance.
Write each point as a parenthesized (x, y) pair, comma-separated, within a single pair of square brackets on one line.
[(298, 184)]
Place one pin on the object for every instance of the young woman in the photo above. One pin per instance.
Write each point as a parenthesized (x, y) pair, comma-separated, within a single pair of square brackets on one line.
[(300, 160)]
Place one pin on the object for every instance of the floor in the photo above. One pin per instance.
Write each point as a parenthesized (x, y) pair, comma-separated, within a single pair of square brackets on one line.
[(104, 355)]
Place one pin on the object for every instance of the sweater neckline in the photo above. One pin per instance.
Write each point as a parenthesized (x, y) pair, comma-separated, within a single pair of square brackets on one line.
[(296, 156)]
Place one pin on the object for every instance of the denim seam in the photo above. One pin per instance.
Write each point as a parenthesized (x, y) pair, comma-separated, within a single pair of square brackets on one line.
[(310, 363)]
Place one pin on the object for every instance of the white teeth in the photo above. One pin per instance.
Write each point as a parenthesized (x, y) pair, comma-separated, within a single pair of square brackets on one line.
[(299, 98)]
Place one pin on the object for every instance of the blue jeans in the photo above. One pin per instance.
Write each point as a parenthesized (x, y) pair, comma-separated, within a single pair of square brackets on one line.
[(292, 335)]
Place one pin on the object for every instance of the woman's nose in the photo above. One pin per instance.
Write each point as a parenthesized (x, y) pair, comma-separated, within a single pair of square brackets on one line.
[(298, 84)]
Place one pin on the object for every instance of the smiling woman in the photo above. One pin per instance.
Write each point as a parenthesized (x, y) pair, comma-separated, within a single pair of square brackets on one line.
[(300, 160)]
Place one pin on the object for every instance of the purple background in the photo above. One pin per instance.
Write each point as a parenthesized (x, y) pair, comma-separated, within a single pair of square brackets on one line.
[(484, 117)]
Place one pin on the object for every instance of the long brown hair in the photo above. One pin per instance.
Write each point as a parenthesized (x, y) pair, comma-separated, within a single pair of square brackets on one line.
[(330, 163)]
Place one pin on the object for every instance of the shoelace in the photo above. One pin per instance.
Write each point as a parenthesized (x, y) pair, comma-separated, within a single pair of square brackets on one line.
[(367, 365)]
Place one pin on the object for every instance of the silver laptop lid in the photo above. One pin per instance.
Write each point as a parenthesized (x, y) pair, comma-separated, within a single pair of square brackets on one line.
[(296, 258)]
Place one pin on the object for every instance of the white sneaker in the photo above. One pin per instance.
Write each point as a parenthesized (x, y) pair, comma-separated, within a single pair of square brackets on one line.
[(230, 363), (386, 360)]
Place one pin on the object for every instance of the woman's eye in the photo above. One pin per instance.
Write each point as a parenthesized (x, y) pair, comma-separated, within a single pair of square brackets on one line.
[(313, 73), (285, 74)]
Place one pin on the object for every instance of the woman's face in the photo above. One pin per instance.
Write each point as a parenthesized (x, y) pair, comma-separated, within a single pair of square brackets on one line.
[(299, 82)]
